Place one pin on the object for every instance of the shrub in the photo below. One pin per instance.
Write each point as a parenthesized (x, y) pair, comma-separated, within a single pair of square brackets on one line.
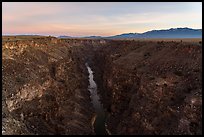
[(200, 42)]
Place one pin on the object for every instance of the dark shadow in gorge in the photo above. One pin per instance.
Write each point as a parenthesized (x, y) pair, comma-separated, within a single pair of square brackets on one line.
[(99, 123)]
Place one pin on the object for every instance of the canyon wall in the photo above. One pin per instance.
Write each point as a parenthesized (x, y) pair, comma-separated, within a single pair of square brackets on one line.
[(151, 87), (45, 88), (146, 87)]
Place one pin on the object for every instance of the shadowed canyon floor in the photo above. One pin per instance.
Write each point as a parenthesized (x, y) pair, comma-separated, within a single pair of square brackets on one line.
[(145, 87)]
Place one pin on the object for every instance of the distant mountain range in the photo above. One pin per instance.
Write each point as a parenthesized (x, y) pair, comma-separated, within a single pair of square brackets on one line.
[(64, 37), (167, 33)]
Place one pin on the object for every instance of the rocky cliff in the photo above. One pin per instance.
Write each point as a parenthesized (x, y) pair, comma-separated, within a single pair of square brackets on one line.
[(44, 88), (151, 87), (147, 87)]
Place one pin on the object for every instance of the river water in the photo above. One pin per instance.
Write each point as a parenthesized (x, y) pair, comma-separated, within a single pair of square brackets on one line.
[(99, 124)]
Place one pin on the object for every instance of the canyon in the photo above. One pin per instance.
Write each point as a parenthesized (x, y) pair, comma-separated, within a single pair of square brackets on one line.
[(146, 87)]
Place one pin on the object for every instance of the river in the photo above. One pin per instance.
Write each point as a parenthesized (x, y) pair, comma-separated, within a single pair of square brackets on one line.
[(99, 124)]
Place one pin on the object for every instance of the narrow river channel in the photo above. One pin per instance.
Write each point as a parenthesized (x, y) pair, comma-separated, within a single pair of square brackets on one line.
[(99, 124)]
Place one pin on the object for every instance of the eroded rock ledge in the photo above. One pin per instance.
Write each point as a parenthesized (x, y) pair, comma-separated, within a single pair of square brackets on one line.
[(45, 88), (151, 87), (147, 87)]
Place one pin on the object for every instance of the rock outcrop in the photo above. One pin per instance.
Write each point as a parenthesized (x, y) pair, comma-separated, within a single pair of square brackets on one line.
[(44, 89), (147, 87), (151, 87)]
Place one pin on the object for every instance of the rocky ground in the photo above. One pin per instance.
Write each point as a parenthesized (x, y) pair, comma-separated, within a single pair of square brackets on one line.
[(44, 89), (151, 87), (147, 87)]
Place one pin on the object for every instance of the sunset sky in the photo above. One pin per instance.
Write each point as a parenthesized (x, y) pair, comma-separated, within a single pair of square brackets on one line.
[(97, 18)]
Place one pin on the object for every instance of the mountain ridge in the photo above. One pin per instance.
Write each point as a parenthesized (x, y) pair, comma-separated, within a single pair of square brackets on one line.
[(163, 33)]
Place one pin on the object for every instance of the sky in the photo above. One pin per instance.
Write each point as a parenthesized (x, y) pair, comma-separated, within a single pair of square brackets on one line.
[(97, 18)]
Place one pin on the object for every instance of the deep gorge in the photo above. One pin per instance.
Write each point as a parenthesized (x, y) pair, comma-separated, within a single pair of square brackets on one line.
[(145, 87)]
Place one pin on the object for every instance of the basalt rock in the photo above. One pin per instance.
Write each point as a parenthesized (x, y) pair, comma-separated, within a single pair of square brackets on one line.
[(146, 87), (150, 87), (44, 89)]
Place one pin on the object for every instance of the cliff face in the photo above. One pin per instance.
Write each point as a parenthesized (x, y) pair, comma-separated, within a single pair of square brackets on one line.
[(146, 87), (151, 87), (44, 89)]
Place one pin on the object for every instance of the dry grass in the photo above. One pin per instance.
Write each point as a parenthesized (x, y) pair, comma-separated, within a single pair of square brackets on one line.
[(21, 37)]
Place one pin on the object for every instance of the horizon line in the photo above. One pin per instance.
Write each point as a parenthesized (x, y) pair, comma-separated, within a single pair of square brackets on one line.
[(97, 35)]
